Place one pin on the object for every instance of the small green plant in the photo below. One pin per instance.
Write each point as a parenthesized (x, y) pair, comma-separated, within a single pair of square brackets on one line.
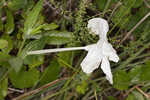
[(27, 25)]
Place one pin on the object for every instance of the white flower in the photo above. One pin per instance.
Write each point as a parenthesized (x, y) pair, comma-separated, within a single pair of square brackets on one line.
[(101, 52)]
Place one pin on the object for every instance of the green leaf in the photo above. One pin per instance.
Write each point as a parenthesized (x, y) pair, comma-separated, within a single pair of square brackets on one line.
[(33, 45), (3, 71), (10, 43), (129, 3), (24, 79), (111, 98), (3, 88), (131, 97), (17, 4), (3, 43), (145, 72), (51, 72), (51, 26), (45, 27), (9, 26), (34, 60), (2, 3), (65, 58), (120, 13), (16, 63), (101, 4), (121, 80), (58, 37), (138, 96), (32, 18), (138, 3), (4, 57), (81, 88), (135, 74)]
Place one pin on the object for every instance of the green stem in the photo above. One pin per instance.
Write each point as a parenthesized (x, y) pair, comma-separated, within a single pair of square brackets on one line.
[(21, 47), (57, 93), (133, 56)]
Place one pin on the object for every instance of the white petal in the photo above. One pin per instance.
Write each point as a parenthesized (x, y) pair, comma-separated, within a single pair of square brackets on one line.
[(109, 51), (92, 60), (99, 26), (105, 66)]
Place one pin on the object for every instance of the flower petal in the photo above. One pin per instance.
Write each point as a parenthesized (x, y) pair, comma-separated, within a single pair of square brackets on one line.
[(105, 66), (110, 52), (99, 26), (92, 60)]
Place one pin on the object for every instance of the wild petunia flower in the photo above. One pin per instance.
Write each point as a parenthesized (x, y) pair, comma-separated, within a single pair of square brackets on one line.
[(101, 52), (98, 53)]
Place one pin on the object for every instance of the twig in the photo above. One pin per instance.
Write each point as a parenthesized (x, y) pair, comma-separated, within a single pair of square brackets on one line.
[(95, 94), (129, 33), (130, 90), (146, 3), (16, 90), (21, 97), (116, 7), (141, 91)]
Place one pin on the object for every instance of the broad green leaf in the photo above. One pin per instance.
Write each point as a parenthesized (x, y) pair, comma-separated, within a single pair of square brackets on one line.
[(138, 96), (34, 60), (51, 72), (134, 74), (121, 80), (3, 43), (17, 4), (3, 88), (58, 37), (45, 27), (9, 26), (24, 79), (145, 72), (33, 45), (16, 63), (4, 57), (32, 18), (131, 97), (10, 43)]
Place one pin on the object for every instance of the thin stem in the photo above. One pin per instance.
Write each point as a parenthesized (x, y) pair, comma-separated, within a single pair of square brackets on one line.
[(133, 56), (22, 45), (95, 95), (106, 7), (55, 50), (54, 94), (21, 97), (140, 22)]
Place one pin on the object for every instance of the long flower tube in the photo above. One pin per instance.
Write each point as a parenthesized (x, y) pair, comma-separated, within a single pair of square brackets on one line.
[(98, 53), (55, 50)]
